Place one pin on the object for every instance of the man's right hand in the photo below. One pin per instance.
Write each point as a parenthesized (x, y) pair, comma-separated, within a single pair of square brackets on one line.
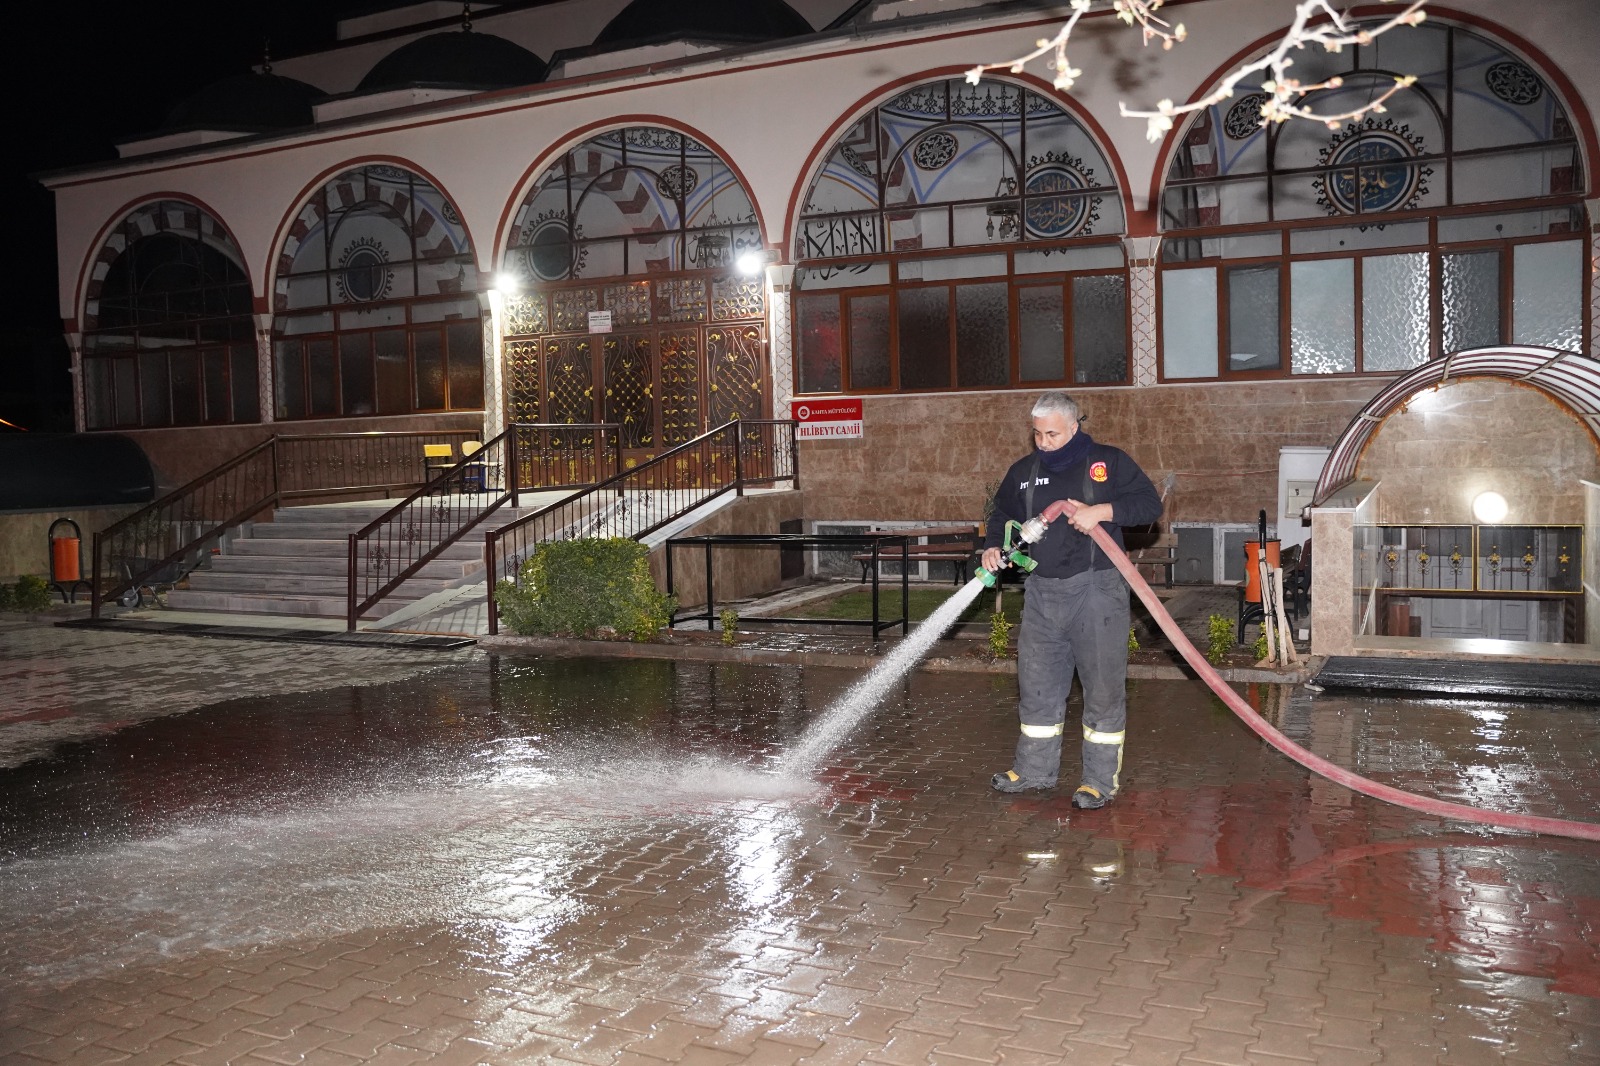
[(993, 560)]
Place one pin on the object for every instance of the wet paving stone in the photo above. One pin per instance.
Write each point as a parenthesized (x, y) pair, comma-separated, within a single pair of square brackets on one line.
[(517, 860)]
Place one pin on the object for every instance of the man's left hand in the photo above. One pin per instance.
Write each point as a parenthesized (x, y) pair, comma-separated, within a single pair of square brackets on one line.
[(1087, 516)]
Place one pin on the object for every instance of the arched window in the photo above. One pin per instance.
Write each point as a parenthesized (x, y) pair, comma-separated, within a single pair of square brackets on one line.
[(1451, 220), (961, 236), (168, 336), (377, 308), (631, 308)]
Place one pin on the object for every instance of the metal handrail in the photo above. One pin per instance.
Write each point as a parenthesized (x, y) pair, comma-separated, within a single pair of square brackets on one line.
[(753, 460), (239, 488), (420, 527)]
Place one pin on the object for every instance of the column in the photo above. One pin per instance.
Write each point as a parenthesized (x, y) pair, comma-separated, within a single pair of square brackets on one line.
[(494, 402), (265, 394), (80, 410), (1143, 253), (780, 336)]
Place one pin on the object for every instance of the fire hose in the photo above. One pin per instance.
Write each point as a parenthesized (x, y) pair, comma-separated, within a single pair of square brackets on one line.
[(1033, 530)]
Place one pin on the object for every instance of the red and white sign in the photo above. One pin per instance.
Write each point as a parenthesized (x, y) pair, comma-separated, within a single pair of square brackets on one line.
[(834, 418)]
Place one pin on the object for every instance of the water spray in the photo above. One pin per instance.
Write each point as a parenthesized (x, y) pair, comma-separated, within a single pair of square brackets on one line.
[(1033, 530)]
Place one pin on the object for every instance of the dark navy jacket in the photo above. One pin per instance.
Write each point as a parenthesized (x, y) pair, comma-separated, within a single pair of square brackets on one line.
[(1105, 475)]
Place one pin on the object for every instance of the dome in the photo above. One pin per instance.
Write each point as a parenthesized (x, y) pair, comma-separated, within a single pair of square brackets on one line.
[(740, 20), (252, 101), (461, 58)]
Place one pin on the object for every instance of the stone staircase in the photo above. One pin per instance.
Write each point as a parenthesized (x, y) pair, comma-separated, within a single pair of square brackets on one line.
[(296, 565)]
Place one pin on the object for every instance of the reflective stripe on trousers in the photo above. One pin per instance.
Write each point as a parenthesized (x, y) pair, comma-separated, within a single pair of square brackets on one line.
[(1073, 625)]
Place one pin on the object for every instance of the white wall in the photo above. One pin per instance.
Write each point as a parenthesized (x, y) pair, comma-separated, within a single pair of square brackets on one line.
[(767, 112)]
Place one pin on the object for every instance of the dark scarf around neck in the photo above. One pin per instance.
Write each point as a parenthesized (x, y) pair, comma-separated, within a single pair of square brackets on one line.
[(1069, 454)]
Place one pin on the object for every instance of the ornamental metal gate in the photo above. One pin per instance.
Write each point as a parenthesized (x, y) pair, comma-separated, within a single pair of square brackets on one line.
[(684, 354)]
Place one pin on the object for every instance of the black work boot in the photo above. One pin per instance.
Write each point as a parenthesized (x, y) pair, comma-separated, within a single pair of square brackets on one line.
[(1089, 798), (1009, 781)]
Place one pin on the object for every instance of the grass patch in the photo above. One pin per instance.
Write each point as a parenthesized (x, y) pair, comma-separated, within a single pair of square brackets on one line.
[(857, 603)]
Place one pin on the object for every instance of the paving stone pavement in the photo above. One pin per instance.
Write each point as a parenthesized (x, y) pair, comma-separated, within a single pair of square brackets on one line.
[(59, 684), (519, 861)]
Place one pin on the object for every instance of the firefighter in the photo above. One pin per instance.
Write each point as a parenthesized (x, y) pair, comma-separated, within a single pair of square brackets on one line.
[(1075, 615)]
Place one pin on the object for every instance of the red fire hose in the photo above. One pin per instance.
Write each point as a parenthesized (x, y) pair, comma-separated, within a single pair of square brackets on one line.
[(1313, 762)]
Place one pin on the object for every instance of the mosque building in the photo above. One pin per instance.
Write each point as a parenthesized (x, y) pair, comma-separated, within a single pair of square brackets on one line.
[(774, 204)]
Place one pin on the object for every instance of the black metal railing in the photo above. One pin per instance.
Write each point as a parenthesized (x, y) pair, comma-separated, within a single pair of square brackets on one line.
[(397, 544), (165, 539), (635, 503)]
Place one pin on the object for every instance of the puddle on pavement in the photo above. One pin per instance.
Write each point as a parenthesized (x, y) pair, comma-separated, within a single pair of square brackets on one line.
[(508, 800)]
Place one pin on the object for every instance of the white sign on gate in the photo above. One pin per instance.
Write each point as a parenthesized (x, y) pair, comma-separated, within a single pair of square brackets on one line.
[(599, 321)]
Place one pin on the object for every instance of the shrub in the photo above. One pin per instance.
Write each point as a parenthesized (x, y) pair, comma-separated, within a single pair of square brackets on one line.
[(7, 598), (1261, 648), (581, 588), (30, 594), (1133, 639), (1222, 638), (730, 624), (999, 635)]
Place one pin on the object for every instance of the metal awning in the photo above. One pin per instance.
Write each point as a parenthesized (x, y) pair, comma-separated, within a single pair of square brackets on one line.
[(1570, 379)]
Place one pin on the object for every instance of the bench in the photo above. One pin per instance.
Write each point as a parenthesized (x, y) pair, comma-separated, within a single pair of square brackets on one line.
[(947, 544), (1165, 557)]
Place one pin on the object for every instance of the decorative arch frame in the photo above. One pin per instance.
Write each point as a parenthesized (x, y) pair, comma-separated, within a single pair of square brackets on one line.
[(530, 175), (112, 240), (1567, 378), (817, 158), (357, 354), (292, 227), (1588, 142)]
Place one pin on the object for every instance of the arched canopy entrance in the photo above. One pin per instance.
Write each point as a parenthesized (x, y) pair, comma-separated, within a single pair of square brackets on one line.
[(631, 308), (1570, 379)]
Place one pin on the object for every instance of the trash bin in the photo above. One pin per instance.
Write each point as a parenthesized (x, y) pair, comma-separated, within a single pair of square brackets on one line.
[(1252, 572), (66, 558)]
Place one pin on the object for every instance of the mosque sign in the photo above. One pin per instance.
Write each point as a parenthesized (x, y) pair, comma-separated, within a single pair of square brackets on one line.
[(835, 418)]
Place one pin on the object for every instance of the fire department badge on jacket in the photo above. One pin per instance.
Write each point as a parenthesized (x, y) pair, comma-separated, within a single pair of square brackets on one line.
[(1097, 472)]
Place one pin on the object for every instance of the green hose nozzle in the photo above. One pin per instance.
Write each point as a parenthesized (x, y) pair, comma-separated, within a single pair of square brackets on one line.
[(1015, 554)]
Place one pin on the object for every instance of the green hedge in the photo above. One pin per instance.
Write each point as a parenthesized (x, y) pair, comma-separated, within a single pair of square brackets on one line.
[(585, 588)]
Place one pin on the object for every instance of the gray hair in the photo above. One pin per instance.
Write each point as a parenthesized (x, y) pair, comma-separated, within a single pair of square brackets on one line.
[(1058, 403)]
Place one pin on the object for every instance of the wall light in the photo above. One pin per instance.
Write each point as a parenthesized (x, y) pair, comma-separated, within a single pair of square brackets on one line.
[(1489, 508), (750, 262), (507, 283)]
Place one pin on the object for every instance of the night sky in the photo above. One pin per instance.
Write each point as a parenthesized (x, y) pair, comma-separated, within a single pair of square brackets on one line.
[(91, 74)]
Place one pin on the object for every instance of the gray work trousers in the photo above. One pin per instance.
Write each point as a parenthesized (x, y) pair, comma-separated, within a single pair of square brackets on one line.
[(1078, 623)]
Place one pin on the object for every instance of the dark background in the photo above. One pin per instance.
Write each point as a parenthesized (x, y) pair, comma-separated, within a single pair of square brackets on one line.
[(92, 74)]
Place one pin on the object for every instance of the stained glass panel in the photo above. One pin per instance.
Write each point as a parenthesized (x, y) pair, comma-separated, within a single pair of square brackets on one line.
[(1322, 316), (1394, 311), (983, 335), (1042, 336), (924, 337), (1547, 283), (818, 341), (1189, 323), (1471, 298), (1253, 339), (869, 341), (1100, 329)]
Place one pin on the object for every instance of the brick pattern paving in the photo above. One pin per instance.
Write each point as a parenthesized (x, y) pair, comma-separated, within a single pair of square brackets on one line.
[(489, 865), (64, 684)]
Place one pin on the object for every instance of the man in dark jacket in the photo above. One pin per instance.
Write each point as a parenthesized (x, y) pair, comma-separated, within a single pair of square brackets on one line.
[(1075, 611)]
